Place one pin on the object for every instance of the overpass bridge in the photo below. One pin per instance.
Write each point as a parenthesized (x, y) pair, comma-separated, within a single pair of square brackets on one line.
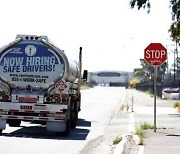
[(110, 78)]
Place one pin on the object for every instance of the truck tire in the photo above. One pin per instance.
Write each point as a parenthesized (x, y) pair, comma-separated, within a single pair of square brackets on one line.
[(79, 100), (74, 116), (14, 123)]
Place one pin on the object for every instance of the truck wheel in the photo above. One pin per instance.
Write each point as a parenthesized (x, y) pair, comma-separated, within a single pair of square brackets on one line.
[(14, 123), (79, 107), (74, 120), (74, 116)]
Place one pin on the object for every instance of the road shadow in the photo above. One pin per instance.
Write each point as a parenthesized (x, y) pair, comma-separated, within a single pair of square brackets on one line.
[(173, 135), (175, 115), (83, 123), (39, 132)]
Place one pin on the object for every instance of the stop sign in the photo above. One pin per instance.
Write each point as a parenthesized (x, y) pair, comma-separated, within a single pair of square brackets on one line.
[(155, 54)]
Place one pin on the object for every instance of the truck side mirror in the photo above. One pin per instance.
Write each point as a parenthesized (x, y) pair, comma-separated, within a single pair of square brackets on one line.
[(85, 75)]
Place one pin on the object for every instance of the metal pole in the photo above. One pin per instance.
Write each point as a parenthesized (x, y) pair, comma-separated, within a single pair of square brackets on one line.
[(80, 69), (174, 67), (155, 92), (177, 77), (132, 104)]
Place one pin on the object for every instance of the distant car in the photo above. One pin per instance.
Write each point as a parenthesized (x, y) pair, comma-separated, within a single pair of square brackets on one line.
[(170, 93)]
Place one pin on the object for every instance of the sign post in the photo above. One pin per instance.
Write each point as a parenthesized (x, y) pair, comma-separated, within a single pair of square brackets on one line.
[(155, 55), (155, 92)]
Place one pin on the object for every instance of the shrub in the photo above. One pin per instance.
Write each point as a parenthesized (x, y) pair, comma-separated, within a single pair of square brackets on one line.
[(117, 140), (146, 126), (140, 132), (176, 104)]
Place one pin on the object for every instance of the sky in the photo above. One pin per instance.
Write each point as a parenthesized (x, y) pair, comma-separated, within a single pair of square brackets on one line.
[(112, 35)]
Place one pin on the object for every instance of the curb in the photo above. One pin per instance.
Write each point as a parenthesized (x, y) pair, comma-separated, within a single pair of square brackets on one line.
[(123, 146), (136, 139)]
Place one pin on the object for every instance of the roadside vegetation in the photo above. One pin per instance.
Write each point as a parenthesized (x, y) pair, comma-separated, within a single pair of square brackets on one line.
[(117, 140), (177, 105), (85, 86), (133, 82), (140, 131), (175, 12)]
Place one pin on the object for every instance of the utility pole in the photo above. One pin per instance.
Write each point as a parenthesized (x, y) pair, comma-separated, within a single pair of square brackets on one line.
[(174, 67), (177, 65)]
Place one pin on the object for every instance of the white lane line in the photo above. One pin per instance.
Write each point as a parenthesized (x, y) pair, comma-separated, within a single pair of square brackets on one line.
[(141, 149), (131, 126)]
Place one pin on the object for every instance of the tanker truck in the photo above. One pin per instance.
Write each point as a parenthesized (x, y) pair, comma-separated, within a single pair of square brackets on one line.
[(39, 84)]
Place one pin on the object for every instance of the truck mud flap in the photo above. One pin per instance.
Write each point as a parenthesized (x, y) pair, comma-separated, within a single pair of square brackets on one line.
[(56, 126), (2, 124), (60, 128)]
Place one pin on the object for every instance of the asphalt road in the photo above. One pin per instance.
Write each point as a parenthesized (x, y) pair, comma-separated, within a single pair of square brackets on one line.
[(97, 127)]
